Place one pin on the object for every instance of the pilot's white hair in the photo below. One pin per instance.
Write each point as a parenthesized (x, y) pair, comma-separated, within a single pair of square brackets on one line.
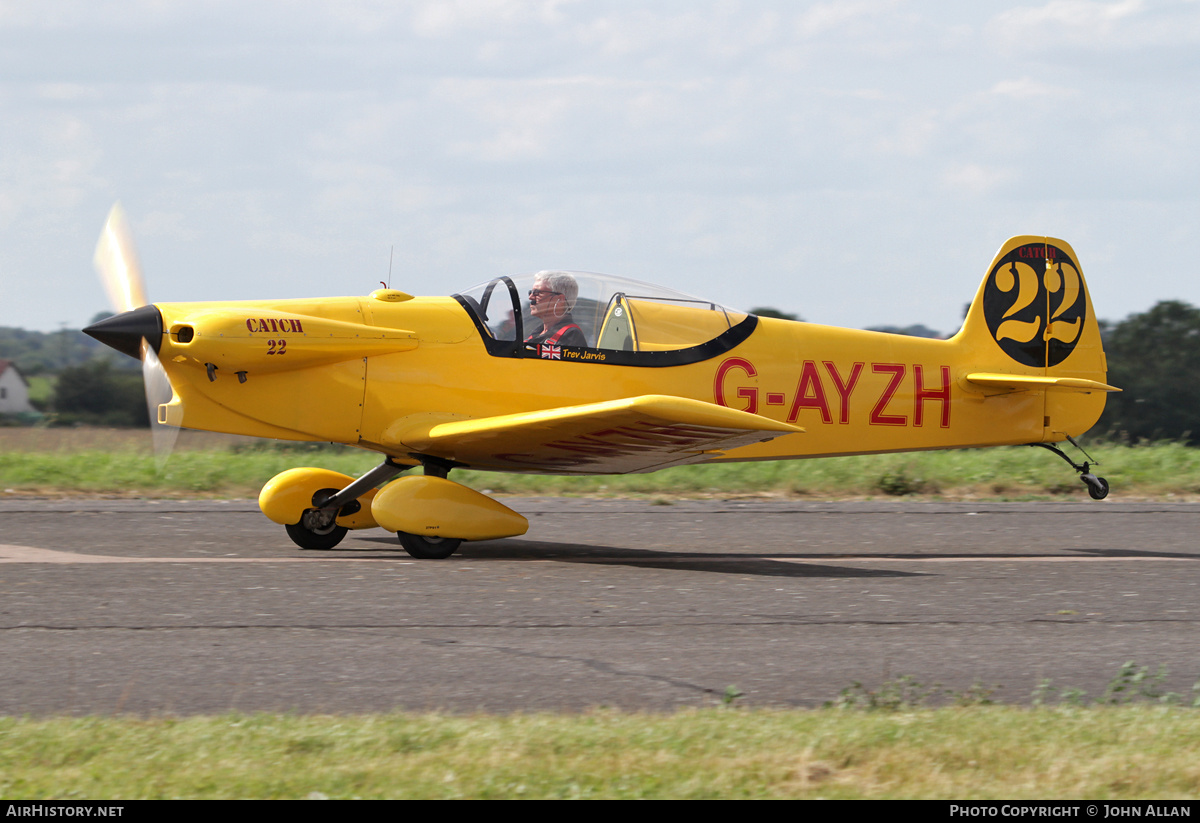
[(561, 282)]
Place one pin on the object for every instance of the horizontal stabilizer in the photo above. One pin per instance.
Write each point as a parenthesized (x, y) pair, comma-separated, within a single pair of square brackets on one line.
[(1030, 382), (634, 434)]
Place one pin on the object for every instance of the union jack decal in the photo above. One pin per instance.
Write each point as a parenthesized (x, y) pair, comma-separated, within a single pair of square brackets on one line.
[(550, 352)]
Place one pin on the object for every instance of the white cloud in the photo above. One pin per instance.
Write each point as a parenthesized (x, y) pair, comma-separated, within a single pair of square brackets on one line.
[(1090, 25), (975, 179), (442, 18), (1026, 88), (1085, 16), (820, 19), (65, 92)]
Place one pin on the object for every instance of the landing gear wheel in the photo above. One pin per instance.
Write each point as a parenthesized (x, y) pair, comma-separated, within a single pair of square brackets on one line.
[(306, 539), (428, 548), (1097, 486)]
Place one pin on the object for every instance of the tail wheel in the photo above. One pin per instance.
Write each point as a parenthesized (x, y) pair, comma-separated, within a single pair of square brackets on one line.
[(321, 541), (428, 548), (1098, 489)]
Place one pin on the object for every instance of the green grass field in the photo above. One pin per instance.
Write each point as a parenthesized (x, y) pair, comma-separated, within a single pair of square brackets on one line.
[(955, 753), (1132, 741), (105, 462)]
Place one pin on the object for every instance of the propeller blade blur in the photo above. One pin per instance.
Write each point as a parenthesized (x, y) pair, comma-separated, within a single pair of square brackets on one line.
[(158, 391), (136, 333), (117, 262)]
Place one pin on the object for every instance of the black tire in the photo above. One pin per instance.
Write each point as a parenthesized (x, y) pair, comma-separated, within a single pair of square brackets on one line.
[(1100, 490), (428, 548), (306, 539)]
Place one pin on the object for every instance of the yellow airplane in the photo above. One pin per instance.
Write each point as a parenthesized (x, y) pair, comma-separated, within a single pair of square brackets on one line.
[(575, 373)]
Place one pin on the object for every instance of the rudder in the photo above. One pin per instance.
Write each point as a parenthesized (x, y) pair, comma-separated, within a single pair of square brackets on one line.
[(1033, 317)]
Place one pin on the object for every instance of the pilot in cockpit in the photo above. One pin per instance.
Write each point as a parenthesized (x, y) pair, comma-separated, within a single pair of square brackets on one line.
[(551, 300)]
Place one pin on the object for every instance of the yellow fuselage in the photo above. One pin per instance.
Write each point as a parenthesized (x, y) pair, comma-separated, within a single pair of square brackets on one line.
[(373, 373)]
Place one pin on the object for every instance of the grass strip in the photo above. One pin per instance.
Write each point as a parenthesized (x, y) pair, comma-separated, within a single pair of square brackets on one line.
[(1160, 470), (983, 752)]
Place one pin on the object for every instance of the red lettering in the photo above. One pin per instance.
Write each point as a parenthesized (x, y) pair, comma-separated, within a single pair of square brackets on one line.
[(748, 393), (878, 418), (279, 325), (844, 388), (810, 394), (1037, 252), (922, 394)]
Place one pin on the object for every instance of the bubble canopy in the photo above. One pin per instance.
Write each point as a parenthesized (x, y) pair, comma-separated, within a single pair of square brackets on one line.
[(623, 321)]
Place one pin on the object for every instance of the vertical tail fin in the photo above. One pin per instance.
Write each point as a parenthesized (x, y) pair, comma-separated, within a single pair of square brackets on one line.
[(1032, 328)]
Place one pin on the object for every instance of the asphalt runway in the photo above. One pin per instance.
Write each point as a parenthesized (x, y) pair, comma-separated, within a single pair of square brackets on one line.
[(199, 607)]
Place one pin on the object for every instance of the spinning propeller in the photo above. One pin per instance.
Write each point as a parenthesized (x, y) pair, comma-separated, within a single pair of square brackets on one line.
[(137, 328)]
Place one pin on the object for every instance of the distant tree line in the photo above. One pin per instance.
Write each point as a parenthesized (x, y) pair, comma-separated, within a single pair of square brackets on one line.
[(1154, 358), (764, 311), (915, 330), (93, 385), (37, 352), (96, 394)]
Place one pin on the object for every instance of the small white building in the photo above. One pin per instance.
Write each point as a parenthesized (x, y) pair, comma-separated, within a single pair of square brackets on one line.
[(14, 391)]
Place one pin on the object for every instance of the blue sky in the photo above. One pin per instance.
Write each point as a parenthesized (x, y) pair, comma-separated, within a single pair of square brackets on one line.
[(856, 162)]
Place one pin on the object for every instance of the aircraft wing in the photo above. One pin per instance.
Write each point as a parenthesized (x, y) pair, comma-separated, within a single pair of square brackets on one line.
[(635, 434), (1030, 382)]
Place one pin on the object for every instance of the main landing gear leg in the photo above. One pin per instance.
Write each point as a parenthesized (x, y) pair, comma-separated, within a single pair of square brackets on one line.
[(1097, 486), (318, 528)]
